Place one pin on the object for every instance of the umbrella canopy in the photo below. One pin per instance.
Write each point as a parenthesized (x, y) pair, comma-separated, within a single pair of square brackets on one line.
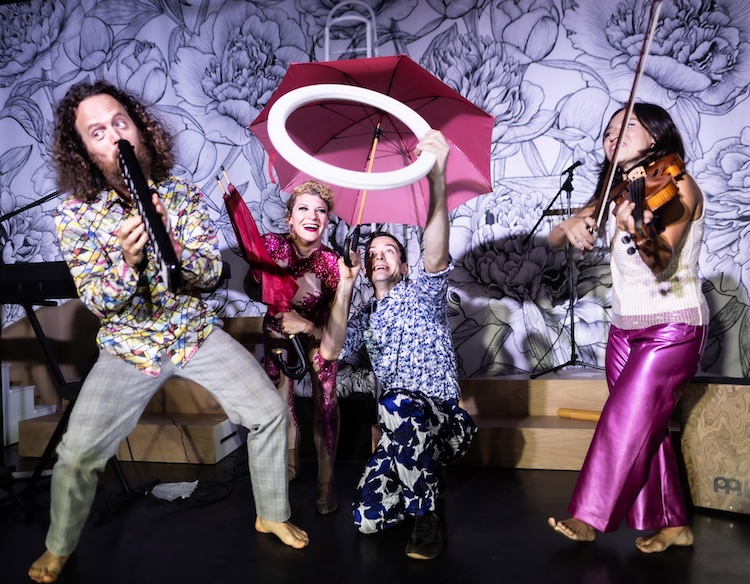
[(342, 133), (276, 284)]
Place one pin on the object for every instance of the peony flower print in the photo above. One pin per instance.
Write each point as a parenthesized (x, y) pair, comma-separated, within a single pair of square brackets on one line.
[(485, 73), (92, 47), (31, 34), (531, 26), (141, 69), (500, 279), (457, 8), (226, 73), (724, 176), (27, 237), (700, 53)]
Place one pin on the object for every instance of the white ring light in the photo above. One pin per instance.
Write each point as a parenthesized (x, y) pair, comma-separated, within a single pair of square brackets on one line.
[(288, 103)]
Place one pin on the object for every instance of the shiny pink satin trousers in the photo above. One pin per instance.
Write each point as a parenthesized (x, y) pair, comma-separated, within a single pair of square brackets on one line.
[(630, 469)]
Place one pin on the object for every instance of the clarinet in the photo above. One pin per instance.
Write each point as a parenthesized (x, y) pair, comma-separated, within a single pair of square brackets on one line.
[(169, 266)]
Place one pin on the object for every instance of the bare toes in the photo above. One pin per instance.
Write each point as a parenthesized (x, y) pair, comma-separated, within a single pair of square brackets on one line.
[(573, 529), (665, 538), (47, 568)]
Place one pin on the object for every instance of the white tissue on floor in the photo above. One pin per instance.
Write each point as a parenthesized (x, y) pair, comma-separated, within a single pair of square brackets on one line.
[(172, 491)]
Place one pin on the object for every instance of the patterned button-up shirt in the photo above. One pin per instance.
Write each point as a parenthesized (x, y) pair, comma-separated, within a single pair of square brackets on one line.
[(141, 320), (408, 337)]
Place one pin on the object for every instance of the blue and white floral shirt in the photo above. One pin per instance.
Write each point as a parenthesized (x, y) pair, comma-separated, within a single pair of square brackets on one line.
[(408, 337)]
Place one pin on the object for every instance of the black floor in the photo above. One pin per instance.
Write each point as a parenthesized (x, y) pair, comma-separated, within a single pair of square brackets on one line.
[(496, 525)]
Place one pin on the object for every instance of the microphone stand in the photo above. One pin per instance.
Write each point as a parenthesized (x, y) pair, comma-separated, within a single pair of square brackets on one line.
[(568, 188), (41, 201)]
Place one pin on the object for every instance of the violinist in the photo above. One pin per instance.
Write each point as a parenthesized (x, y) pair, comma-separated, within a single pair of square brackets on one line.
[(659, 323)]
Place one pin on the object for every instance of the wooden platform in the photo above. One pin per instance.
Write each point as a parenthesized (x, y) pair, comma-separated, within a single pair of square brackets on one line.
[(182, 422), (517, 418), (186, 438), (518, 422)]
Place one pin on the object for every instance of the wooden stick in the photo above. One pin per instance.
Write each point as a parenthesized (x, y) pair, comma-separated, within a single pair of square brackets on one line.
[(221, 186), (371, 161), (574, 414)]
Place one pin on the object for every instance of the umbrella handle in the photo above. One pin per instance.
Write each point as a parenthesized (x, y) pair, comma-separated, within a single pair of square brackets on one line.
[(298, 369), (351, 243)]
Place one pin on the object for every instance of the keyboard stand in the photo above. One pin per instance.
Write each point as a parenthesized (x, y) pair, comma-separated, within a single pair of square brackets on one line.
[(66, 391)]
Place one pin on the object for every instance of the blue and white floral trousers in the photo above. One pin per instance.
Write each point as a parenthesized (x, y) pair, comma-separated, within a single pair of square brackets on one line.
[(402, 476)]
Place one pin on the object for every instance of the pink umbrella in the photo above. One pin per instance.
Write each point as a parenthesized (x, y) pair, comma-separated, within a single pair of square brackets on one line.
[(363, 138)]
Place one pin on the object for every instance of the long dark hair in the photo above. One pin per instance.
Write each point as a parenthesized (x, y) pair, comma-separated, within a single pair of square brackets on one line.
[(667, 140), (76, 172)]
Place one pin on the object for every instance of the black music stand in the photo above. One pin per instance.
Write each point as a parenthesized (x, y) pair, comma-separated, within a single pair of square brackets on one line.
[(66, 391), (567, 186), (8, 475), (7, 472)]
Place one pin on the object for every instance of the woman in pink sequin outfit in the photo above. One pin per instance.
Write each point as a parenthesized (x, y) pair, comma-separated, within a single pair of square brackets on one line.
[(315, 269), (659, 324)]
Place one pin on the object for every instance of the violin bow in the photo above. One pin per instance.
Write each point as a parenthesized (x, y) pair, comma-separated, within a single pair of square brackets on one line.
[(652, 23)]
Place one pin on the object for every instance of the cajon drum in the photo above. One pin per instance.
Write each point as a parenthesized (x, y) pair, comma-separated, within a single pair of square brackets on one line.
[(716, 445)]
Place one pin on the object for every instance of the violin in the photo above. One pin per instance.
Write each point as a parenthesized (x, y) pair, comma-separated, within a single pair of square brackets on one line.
[(656, 186)]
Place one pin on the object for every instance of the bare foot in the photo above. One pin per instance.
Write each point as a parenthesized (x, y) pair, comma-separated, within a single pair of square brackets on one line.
[(664, 538), (288, 533), (573, 529), (327, 501), (47, 568)]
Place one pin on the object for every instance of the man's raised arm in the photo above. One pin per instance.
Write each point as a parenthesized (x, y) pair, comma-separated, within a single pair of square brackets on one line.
[(437, 230), (334, 333)]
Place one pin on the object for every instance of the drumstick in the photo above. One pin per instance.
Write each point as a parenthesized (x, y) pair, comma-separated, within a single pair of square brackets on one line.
[(575, 414)]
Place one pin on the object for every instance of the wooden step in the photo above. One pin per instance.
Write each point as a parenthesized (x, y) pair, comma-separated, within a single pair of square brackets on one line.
[(518, 395), (532, 442), (518, 423), (177, 437), (181, 423)]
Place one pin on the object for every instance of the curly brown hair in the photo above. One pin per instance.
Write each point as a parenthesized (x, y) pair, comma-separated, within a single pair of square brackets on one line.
[(311, 187), (76, 172)]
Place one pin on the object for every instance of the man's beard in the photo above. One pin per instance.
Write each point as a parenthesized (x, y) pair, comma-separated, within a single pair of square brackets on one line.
[(113, 173)]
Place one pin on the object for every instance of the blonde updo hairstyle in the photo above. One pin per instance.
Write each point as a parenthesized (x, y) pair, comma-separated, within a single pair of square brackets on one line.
[(311, 187)]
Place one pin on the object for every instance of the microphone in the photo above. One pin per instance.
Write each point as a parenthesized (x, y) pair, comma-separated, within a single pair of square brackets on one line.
[(572, 167)]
